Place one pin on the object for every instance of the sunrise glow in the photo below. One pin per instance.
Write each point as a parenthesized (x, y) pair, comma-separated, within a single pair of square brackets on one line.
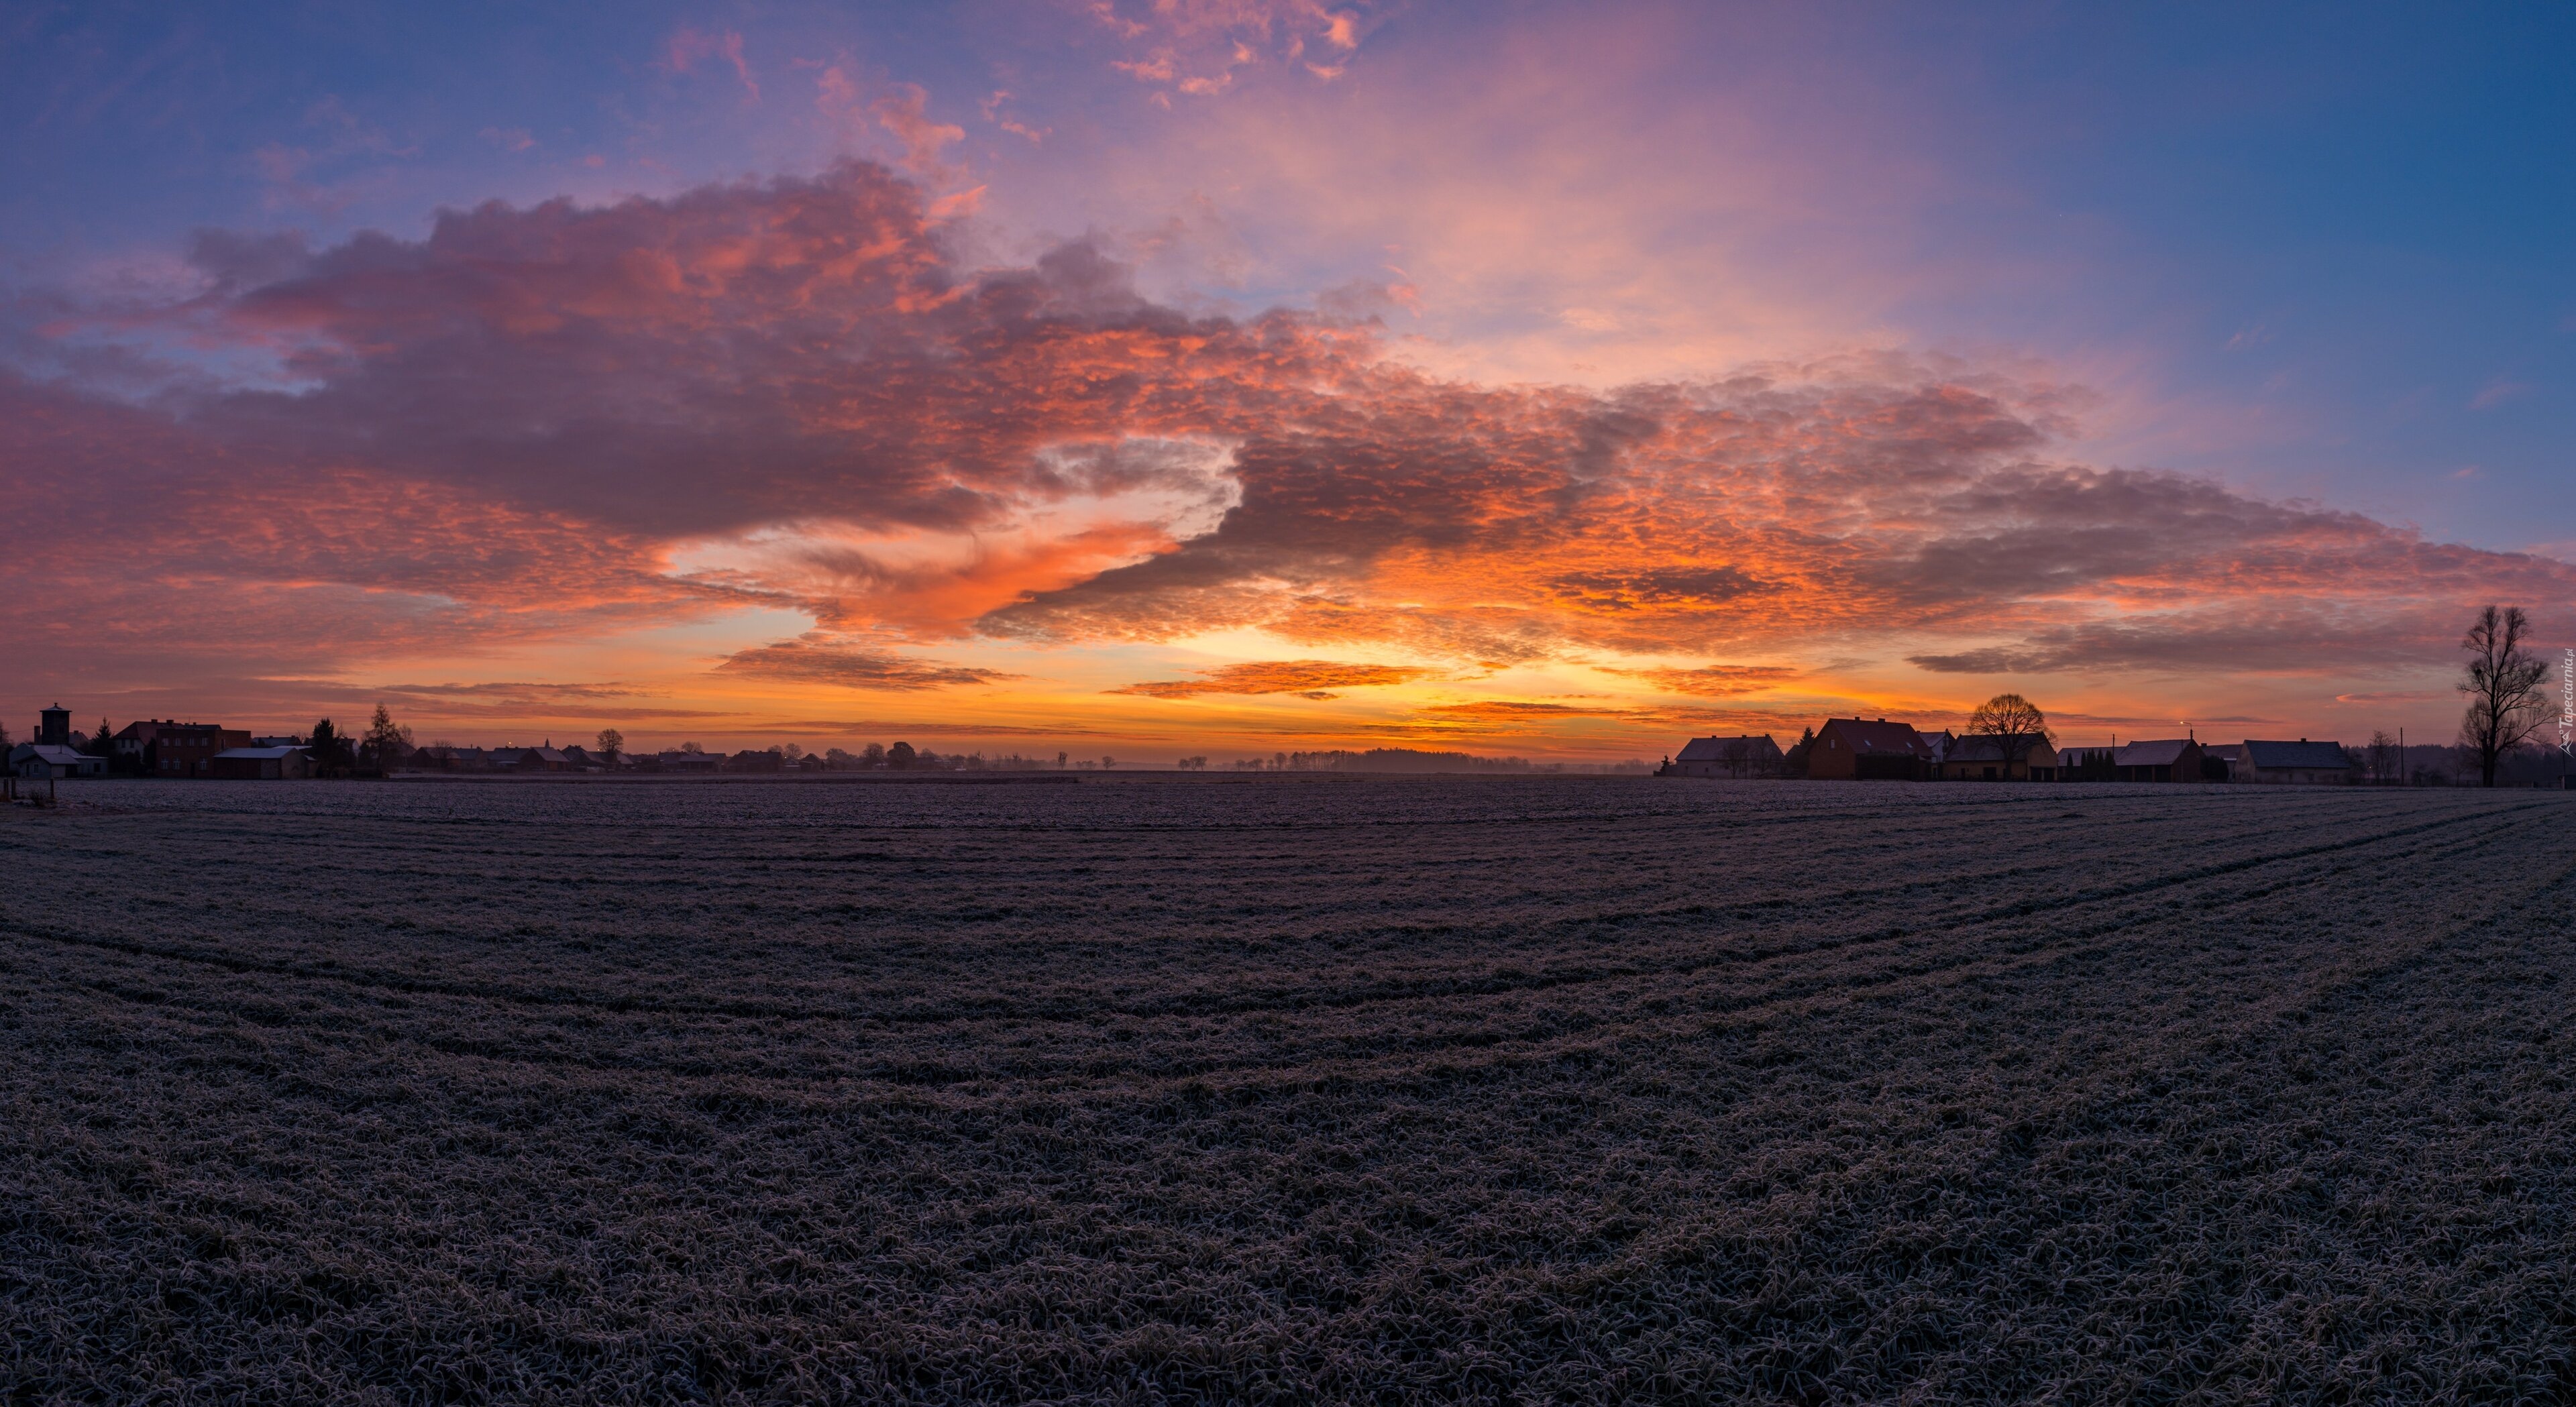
[(1160, 379)]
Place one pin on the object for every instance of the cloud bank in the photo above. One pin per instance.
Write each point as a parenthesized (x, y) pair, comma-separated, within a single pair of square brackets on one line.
[(792, 395)]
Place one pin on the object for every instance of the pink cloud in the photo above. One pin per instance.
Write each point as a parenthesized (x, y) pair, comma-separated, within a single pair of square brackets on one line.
[(687, 47)]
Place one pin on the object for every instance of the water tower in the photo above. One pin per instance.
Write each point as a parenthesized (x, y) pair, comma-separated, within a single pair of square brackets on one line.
[(56, 728)]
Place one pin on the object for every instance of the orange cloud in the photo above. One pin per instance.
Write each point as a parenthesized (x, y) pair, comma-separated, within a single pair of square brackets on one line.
[(1308, 678), (1716, 680), (568, 422), (851, 667)]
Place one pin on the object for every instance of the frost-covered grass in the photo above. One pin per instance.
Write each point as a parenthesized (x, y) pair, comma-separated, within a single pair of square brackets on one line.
[(1286, 1089)]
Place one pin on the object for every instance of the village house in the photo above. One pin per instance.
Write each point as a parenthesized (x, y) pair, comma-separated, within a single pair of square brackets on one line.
[(162, 747), (2159, 760), (38, 761), (2300, 763), (1983, 757), (684, 761), (1753, 756), (545, 758), (1858, 749), (440, 757), (261, 764)]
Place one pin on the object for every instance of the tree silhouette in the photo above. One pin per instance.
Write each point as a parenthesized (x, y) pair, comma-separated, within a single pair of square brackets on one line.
[(611, 744), (900, 756), (330, 751), (1795, 764), (384, 741), (2384, 764), (2502, 680), (2014, 722)]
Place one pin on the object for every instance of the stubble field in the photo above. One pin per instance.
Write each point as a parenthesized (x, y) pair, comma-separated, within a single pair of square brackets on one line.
[(1170, 1089)]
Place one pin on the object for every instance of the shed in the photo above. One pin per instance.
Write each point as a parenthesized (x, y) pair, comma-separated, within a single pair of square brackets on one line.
[(261, 764), (2159, 760), (42, 760)]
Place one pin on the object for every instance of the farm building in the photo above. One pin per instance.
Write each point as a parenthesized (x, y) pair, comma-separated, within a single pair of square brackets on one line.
[(43, 760), (163, 747), (1858, 749), (2223, 762), (2159, 760), (1754, 756), (260, 764), (531, 759), (2300, 763), (1980, 757)]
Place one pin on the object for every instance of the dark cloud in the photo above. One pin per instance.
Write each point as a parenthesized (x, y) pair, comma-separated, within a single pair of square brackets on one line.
[(1508, 708)]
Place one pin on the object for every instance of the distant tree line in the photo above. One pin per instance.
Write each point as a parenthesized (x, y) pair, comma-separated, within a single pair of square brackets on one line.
[(1403, 759)]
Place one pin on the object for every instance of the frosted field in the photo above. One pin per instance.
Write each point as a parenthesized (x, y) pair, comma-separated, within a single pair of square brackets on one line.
[(1178, 1089)]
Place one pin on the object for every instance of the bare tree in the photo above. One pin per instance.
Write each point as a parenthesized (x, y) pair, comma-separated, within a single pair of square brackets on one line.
[(2014, 722), (2384, 761), (1739, 755), (611, 744), (2502, 680)]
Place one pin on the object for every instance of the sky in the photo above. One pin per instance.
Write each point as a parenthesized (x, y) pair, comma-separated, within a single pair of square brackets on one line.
[(1155, 378)]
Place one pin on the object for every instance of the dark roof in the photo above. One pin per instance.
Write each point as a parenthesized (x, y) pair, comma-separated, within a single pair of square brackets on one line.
[(53, 753), (1986, 747), (261, 754), (1880, 738), (2230, 752), (2299, 754), (2159, 752), (1756, 747)]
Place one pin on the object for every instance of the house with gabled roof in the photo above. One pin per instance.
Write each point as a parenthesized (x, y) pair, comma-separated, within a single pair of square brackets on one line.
[(2301, 763), (2159, 760), (1754, 755), (47, 760), (1983, 757), (1861, 749)]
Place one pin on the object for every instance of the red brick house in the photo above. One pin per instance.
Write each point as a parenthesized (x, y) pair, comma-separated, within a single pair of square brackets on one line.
[(162, 748), (1861, 749)]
